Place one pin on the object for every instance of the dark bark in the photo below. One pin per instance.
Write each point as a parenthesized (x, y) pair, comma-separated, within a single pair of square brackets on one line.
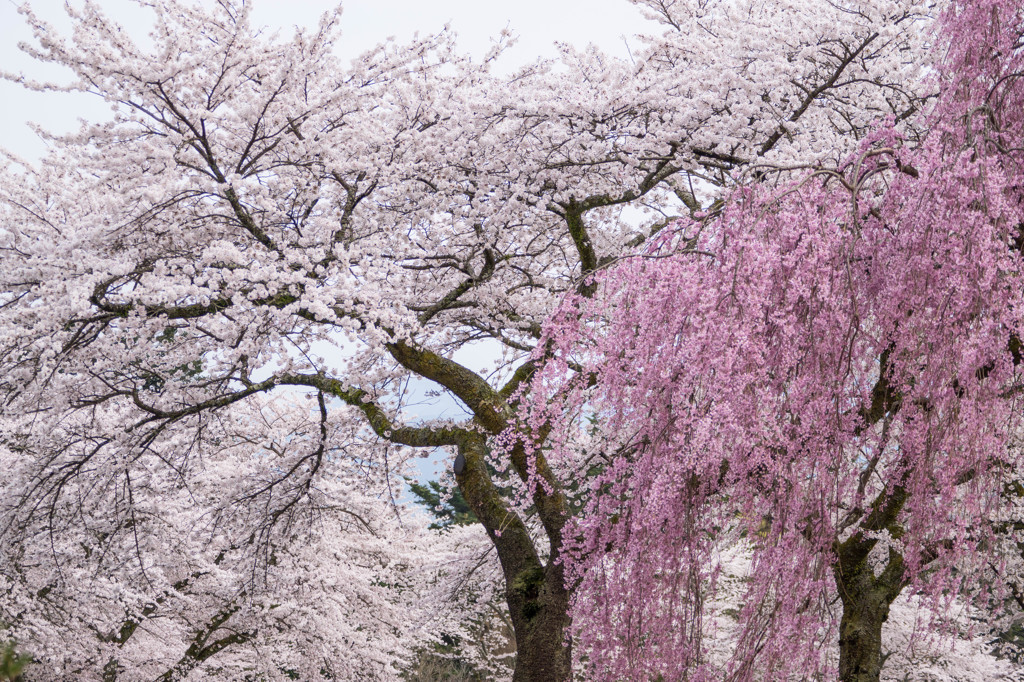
[(540, 605), (866, 599)]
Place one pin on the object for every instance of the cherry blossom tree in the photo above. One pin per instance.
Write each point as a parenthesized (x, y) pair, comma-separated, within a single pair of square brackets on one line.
[(217, 306), (235, 573), (827, 371)]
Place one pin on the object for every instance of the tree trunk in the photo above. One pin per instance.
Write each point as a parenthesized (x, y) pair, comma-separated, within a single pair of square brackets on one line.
[(866, 599), (537, 599), (539, 605), (865, 610)]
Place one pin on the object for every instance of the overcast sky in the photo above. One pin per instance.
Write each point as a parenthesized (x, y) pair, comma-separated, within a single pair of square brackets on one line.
[(538, 23)]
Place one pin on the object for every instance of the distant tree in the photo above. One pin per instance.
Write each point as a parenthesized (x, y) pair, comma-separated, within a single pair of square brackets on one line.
[(485, 644), (447, 509), (12, 663)]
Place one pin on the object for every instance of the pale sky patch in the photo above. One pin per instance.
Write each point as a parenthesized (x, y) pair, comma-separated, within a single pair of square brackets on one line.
[(539, 24)]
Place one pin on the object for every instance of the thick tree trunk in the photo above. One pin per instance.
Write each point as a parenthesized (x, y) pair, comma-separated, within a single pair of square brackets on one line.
[(537, 600), (865, 610), (866, 599), (539, 606)]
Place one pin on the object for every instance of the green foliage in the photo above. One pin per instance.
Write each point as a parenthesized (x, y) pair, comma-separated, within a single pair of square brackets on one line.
[(12, 663), (454, 511)]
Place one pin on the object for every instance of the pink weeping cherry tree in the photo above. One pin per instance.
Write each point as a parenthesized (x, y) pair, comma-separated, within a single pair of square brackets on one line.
[(826, 371)]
